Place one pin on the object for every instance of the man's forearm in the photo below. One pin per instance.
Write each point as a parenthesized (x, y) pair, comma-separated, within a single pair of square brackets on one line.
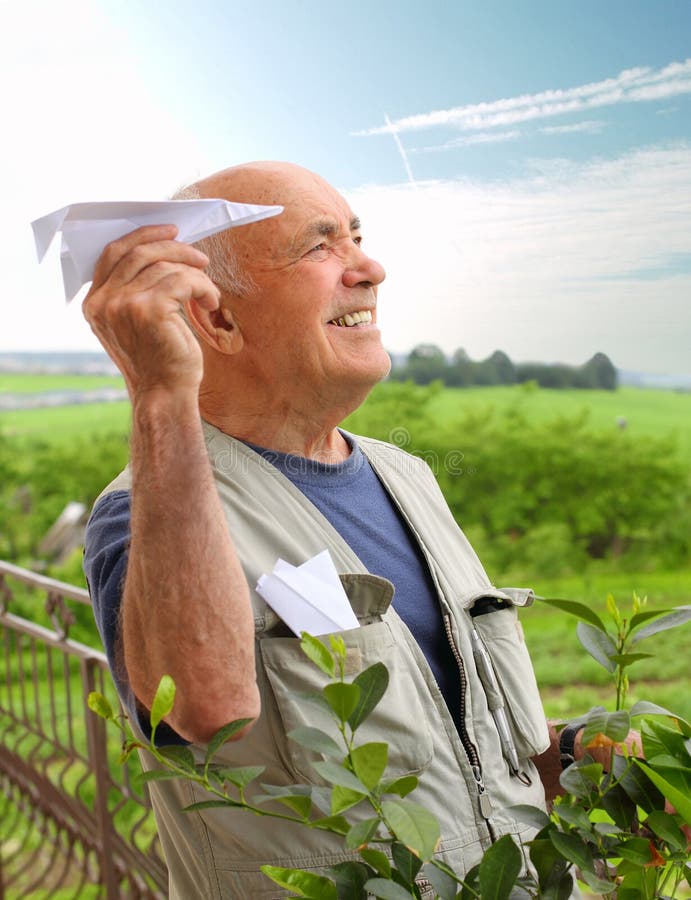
[(186, 608)]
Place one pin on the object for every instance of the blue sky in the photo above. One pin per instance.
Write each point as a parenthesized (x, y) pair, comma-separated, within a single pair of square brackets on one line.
[(531, 191)]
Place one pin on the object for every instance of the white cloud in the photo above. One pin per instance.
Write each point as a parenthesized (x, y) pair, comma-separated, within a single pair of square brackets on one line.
[(482, 137), (590, 126), (630, 86), (557, 266)]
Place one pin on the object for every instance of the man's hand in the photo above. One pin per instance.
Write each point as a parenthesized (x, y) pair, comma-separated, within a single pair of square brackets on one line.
[(141, 284)]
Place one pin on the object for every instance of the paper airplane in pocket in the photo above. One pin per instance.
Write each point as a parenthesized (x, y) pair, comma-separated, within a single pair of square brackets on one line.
[(309, 597), (88, 227)]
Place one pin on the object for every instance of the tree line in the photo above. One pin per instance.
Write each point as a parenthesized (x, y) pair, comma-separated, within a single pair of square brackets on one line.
[(427, 363)]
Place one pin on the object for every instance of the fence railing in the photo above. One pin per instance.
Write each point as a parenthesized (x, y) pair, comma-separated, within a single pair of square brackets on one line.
[(72, 821)]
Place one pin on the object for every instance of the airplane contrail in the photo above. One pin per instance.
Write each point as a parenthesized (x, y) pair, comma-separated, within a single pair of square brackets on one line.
[(404, 156)]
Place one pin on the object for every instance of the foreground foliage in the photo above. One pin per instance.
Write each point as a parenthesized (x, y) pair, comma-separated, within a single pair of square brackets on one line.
[(622, 828)]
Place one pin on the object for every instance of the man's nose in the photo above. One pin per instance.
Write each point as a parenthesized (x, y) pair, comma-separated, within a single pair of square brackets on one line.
[(362, 269)]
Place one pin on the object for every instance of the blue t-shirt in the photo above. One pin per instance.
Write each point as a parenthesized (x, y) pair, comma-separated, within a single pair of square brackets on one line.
[(351, 497)]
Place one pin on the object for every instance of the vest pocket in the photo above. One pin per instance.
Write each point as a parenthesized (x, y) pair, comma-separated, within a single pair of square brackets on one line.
[(502, 635), (399, 719)]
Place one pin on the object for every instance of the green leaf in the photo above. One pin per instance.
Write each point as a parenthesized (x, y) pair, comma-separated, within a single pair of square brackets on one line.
[(680, 800), (334, 824), (240, 776), (373, 683), (597, 884), (665, 826), (317, 740), (642, 617), (444, 883), (401, 786), (678, 616), (210, 804), (378, 860), (554, 879), (572, 815), (350, 878), (573, 848), (304, 884), (659, 739), (342, 698), (361, 833), (222, 735), (581, 778), (407, 863), (646, 708), (335, 774), (576, 609), (499, 869), (98, 704), (637, 785), (318, 653), (598, 644), (178, 756), (614, 725), (413, 826), (620, 806), (387, 890), (628, 659), (369, 762), (637, 850), (338, 646), (297, 797), (471, 884), (530, 815), (637, 883), (163, 701), (343, 798)]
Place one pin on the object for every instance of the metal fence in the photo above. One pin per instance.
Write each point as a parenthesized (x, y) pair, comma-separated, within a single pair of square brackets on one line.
[(72, 821)]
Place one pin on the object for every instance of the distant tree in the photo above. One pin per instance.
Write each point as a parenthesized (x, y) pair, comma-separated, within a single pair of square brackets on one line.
[(505, 369), (461, 370), (599, 372), (426, 363)]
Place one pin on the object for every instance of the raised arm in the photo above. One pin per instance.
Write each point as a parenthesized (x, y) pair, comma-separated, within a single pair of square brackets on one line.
[(185, 606)]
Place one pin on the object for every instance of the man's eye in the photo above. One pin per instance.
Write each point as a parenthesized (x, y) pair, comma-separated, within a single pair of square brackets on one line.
[(318, 250), (358, 240)]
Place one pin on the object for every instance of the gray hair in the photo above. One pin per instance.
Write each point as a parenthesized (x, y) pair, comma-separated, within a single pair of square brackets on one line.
[(223, 269)]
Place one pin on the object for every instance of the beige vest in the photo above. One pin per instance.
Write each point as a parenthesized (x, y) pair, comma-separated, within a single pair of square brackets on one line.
[(217, 853)]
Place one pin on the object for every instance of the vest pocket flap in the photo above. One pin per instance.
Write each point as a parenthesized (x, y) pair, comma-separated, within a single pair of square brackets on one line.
[(502, 635), (398, 719), (370, 595)]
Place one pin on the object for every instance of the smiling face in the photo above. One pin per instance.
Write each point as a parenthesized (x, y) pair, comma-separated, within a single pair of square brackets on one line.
[(309, 326)]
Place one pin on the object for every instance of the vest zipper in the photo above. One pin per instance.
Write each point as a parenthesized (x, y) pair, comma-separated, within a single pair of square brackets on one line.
[(484, 801)]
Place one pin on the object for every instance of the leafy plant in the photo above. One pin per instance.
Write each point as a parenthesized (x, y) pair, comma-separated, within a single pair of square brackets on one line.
[(614, 826)]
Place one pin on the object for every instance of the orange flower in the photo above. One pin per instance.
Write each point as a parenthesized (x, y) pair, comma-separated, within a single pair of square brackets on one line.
[(601, 740), (656, 858)]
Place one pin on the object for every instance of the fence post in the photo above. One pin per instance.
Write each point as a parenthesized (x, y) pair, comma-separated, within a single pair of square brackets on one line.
[(98, 759)]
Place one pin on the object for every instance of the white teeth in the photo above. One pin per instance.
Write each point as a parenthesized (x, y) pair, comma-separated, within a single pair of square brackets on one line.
[(361, 317)]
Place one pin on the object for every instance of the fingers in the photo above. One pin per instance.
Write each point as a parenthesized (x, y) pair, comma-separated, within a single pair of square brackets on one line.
[(122, 260), (177, 281)]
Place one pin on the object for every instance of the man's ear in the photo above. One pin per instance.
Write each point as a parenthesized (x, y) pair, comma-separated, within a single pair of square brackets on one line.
[(216, 327)]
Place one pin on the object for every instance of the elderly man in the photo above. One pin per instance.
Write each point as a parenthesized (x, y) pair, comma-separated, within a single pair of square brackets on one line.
[(237, 460)]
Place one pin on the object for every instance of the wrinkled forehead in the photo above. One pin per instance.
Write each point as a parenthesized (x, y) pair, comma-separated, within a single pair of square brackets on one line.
[(310, 211)]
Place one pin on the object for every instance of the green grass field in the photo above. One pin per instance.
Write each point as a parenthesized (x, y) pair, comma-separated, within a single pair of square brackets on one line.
[(37, 384), (647, 412)]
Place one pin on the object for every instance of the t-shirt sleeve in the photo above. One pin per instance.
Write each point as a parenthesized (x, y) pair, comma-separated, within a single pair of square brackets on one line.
[(106, 549)]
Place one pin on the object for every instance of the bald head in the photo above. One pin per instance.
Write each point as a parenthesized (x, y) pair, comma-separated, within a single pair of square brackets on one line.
[(266, 183)]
